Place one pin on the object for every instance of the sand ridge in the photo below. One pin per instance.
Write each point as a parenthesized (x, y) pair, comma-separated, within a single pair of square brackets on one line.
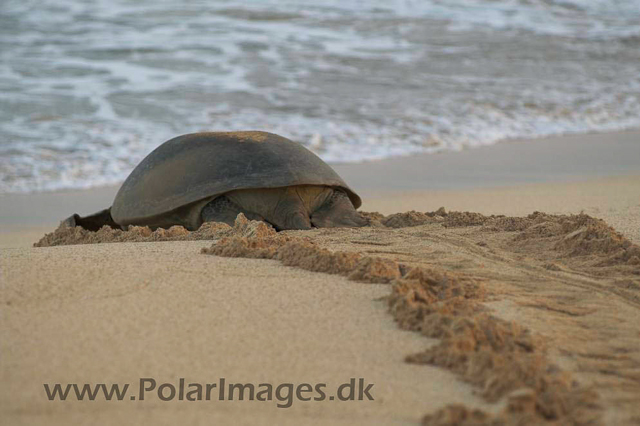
[(500, 357), (65, 235), (582, 275), (459, 276), (577, 279)]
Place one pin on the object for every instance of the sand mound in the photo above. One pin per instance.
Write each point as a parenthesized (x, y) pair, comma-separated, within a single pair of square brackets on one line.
[(501, 358), (305, 254), (579, 236), (65, 235), (373, 218), (581, 241), (584, 235), (459, 219), (404, 220), (77, 235), (413, 218), (375, 270), (458, 415)]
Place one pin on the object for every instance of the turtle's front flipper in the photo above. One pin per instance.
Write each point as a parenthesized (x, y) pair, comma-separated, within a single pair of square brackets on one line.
[(92, 222), (222, 209), (290, 211), (337, 212), (295, 219)]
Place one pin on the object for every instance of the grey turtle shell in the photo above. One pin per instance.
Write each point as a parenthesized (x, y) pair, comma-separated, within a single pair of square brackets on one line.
[(186, 172)]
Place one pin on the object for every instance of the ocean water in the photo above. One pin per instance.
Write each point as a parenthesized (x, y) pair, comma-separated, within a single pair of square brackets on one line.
[(89, 87)]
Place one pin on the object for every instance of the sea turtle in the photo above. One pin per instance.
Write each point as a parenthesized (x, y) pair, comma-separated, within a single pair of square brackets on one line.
[(214, 176)]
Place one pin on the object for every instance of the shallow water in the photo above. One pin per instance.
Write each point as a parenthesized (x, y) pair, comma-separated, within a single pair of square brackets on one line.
[(90, 87)]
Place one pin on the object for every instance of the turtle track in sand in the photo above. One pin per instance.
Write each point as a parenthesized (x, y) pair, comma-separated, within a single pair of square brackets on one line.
[(537, 311)]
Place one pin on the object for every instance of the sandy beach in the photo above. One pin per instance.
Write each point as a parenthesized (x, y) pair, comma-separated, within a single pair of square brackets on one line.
[(562, 294)]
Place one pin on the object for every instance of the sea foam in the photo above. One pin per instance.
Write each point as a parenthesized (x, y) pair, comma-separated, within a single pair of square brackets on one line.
[(90, 88)]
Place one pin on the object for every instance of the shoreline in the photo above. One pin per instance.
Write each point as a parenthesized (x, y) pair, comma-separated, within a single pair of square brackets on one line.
[(613, 199), (509, 163), (422, 182)]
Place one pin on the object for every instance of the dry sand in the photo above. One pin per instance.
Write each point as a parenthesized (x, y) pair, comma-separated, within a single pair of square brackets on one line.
[(517, 319)]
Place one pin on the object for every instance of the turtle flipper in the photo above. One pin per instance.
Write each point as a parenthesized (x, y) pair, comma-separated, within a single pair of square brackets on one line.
[(337, 212), (92, 222), (295, 220), (290, 211), (222, 209)]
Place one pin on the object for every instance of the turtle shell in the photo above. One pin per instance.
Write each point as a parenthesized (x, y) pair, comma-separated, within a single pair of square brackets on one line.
[(193, 168)]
